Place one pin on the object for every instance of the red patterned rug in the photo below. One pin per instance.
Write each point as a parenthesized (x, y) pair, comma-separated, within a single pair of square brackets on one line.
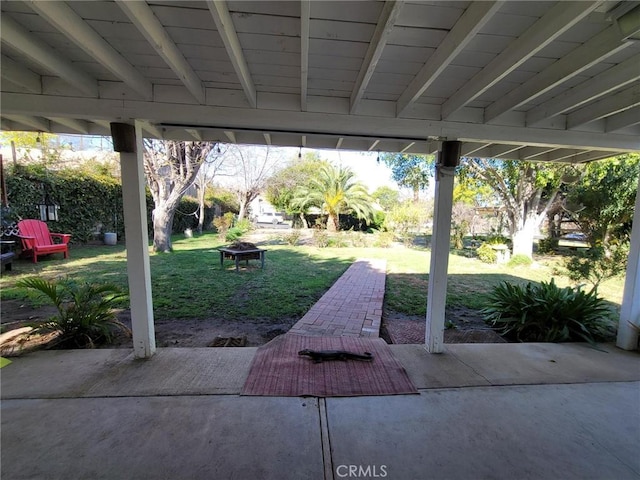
[(278, 370)]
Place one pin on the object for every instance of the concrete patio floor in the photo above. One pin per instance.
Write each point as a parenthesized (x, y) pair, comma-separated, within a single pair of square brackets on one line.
[(511, 411)]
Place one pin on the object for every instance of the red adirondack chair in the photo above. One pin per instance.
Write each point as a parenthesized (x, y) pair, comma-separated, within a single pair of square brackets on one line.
[(37, 240)]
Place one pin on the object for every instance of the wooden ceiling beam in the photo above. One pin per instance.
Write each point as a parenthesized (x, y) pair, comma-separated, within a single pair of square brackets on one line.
[(22, 40), (599, 47), (465, 29), (16, 73), (227, 31), (69, 23), (558, 19), (148, 24), (616, 77), (388, 17)]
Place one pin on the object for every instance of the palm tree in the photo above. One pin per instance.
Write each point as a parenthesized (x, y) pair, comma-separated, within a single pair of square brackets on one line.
[(335, 191)]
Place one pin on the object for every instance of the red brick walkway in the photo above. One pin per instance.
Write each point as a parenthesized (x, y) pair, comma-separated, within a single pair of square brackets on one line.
[(351, 307)]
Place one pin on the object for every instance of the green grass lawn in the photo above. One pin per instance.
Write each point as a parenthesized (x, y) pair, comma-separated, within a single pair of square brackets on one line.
[(189, 282)]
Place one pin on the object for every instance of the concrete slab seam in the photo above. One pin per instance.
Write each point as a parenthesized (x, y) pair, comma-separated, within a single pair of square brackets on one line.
[(472, 369), (325, 440)]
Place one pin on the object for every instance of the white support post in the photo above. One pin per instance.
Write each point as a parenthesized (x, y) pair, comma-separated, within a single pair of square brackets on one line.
[(440, 246), (630, 310), (129, 144)]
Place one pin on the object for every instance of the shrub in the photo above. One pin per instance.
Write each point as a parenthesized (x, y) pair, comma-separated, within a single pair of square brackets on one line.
[(487, 254), (86, 315), (338, 241), (358, 239), (245, 225), (223, 223), (548, 245), (320, 238), (520, 260), (598, 264), (384, 239), (546, 313), (233, 234), (497, 239), (292, 238), (460, 229)]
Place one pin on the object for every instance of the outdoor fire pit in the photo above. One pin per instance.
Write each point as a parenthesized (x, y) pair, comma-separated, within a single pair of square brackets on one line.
[(238, 251)]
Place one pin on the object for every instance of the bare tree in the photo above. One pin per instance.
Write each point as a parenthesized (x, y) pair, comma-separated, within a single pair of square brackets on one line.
[(208, 171), (171, 168), (250, 167)]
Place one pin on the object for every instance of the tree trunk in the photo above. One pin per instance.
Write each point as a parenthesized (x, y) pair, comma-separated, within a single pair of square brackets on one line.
[(201, 205), (523, 240), (243, 208), (162, 227), (333, 222)]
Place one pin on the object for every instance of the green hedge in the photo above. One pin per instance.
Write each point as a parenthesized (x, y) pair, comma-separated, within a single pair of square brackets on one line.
[(89, 201)]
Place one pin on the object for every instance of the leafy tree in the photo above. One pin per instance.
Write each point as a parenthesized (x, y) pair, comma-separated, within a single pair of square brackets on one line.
[(412, 171), (473, 192), (335, 191), (406, 217), (283, 184), (525, 189), (602, 200), (387, 197), (171, 168)]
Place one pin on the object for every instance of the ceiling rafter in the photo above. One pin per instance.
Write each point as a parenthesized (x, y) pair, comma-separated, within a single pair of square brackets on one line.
[(147, 23), (503, 150), (195, 134), (6, 124), (530, 153), (267, 138), (626, 99), (231, 136), (16, 73), (227, 31), (68, 22), (407, 147), (589, 156), (624, 119), (305, 23), (589, 90), (36, 123), (560, 154), (603, 45), (22, 40), (373, 145), (151, 128), (560, 18), (384, 27), (339, 143), (471, 147), (78, 126), (465, 29)]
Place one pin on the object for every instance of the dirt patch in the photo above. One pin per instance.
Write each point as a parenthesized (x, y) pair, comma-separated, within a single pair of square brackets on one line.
[(192, 332), (463, 326)]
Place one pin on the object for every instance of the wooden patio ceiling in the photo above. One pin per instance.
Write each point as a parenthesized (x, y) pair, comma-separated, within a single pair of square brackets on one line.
[(549, 81)]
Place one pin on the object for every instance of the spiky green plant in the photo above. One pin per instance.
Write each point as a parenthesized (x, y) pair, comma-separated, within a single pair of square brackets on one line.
[(547, 313), (86, 311)]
